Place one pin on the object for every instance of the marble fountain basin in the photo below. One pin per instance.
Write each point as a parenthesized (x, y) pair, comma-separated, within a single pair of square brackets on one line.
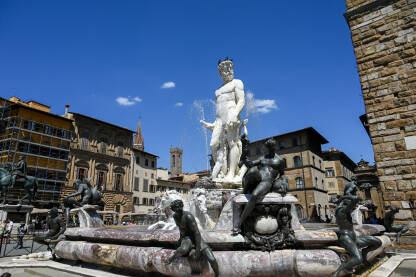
[(147, 251)]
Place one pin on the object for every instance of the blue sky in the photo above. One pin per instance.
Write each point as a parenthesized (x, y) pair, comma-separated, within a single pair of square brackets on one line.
[(296, 58)]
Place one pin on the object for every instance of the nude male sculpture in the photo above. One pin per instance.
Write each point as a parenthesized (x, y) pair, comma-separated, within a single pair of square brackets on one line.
[(229, 104), (388, 223), (190, 237)]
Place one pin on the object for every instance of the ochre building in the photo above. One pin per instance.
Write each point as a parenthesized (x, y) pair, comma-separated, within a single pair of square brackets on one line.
[(29, 129)]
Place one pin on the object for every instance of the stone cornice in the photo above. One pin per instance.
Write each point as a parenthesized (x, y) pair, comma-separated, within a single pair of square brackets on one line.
[(369, 7)]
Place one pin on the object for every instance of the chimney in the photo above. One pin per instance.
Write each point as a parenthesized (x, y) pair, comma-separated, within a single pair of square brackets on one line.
[(66, 109)]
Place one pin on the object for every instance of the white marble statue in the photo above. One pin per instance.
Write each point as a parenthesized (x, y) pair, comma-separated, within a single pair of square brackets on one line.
[(225, 143), (198, 207), (162, 206)]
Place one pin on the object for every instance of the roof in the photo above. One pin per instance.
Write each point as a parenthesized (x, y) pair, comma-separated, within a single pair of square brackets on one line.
[(309, 130), (101, 121), (339, 155), (147, 153), (13, 104)]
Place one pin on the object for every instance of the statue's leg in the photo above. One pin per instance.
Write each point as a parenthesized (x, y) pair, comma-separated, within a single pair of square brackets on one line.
[(368, 243), (261, 190), (184, 249), (351, 247), (4, 193), (13, 181), (215, 138), (234, 155), (212, 261), (399, 230)]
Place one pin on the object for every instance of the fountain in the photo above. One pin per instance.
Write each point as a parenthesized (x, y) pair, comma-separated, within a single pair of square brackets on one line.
[(257, 232)]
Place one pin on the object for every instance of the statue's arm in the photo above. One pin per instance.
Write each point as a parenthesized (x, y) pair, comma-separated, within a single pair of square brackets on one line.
[(193, 226), (239, 96), (209, 126), (79, 192)]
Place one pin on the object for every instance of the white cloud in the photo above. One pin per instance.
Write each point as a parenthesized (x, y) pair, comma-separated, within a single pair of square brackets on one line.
[(127, 101), (168, 85), (179, 104), (262, 106)]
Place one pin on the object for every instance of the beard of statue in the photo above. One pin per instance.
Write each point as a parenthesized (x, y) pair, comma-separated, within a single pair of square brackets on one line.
[(226, 71)]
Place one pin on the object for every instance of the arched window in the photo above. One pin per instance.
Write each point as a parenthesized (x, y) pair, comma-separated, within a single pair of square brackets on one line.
[(299, 183), (173, 161), (313, 160), (297, 161), (285, 163)]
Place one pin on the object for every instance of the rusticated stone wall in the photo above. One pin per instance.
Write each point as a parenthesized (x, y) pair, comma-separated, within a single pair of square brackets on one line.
[(383, 34)]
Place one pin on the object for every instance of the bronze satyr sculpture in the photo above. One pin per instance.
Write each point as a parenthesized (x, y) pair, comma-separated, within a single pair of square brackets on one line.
[(262, 175), (190, 237), (347, 237), (388, 223), (56, 227), (89, 196)]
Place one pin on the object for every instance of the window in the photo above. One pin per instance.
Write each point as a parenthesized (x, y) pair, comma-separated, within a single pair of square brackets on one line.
[(331, 184), (144, 201), (151, 202), (281, 145), (173, 161), (153, 176), (82, 173), (367, 194), (84, 143), (320, 164), (136, 184), (316, 181), (137, 160), (118, 182), (135, 201), (299, 183), (285, 163), (101, 178), (329, 172), (145, 185), (146, 162), (152, 188), (117, 208), (120, 151), (297, 161), (313, 160), (103, 147), (295, 142), (153, 164)]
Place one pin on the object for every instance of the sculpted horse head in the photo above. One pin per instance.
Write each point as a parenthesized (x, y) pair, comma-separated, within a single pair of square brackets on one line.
[(162, 203)]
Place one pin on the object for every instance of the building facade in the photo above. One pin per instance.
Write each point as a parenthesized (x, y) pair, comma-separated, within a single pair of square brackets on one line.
[(144, 185), (102, 152), (383, 35), (29, 129), (304, 170), (339, 169)]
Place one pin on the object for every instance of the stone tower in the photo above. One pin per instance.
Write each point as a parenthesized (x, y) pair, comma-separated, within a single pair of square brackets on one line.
[(176, 161), (383, 34), (138, 139)]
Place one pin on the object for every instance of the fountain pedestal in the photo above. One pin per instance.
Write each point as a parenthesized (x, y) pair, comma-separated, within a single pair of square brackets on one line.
[(13, 212)]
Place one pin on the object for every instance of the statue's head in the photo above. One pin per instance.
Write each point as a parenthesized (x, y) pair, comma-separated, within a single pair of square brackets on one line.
[(270, 144), (354, 178), (226, 70), (21, 158), (53, 212), (176, 205)]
